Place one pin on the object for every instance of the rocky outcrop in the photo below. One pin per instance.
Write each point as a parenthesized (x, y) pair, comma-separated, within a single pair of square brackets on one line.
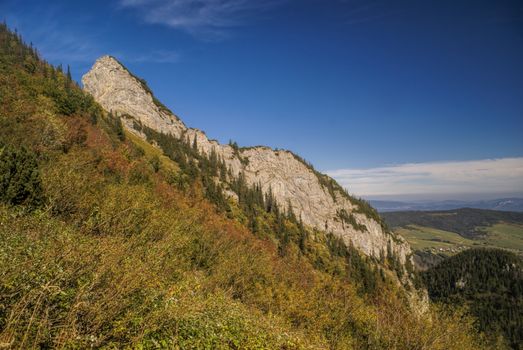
[(293, 182)]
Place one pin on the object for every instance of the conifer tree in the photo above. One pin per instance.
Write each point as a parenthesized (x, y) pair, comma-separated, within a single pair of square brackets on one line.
[(69, 78), (195, 144)]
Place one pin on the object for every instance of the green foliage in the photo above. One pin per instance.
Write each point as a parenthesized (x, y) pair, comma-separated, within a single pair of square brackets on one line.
[(489, 282), (20, 182), (155, 163), (365, 208), (393, 261), (350, 219), (34, 94), (357, 267), (237, 152), (116, 123)]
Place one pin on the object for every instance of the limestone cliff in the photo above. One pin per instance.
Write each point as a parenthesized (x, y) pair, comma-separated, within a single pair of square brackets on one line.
[(318, 200)]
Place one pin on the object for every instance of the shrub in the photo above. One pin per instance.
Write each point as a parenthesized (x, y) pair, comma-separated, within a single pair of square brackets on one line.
[(20, 182)]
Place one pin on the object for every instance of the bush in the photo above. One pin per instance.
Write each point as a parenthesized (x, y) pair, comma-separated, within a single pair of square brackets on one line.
[(20, 182)]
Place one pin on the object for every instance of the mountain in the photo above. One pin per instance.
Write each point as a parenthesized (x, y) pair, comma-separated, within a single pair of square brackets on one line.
[(120, 238), (490, 283), (317, 200), (504, 204)]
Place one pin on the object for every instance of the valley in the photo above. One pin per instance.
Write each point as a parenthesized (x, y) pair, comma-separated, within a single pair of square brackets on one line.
[(434, 235)]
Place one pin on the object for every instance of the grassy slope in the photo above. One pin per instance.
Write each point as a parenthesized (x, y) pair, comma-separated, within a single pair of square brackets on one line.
[(501, 235), (116, 256), (448, 232), (466, 222), (421, 238), (150, 152)]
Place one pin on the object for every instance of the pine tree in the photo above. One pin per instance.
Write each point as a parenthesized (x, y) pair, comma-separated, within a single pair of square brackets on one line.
[(69, 78), (195, 144)]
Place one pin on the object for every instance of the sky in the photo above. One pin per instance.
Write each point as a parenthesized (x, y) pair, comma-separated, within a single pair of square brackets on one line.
[(392, 98)]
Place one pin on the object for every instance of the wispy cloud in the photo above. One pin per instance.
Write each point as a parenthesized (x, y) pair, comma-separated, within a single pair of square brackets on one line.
[(209, 18), (82, 49), (60, 46), (486, 176), (77, 41), (159, 56), (55, 43)]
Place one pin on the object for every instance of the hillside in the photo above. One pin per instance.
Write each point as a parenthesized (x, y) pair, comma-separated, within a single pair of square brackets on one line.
[(110, 241), (448, 232), (435, 235), (314, 198), (467, 222), (490, 283)]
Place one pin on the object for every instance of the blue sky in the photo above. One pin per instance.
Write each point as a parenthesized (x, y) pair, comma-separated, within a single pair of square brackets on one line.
[(352, 86)]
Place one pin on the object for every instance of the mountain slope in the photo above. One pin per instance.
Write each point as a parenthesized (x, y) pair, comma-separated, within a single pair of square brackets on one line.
[(317, 200), (112, 244), (490, 282)]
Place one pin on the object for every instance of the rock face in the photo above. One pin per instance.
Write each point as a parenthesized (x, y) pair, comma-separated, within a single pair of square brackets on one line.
[(293, 183)]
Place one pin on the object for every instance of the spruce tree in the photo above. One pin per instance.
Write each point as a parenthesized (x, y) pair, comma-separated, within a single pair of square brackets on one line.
[(69, 78)]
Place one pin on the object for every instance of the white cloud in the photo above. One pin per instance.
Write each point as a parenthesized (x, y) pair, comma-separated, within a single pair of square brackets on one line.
[(207, 17), (486, 176)]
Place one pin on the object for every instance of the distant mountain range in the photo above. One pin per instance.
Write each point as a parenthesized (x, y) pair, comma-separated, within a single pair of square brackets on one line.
[(503, 204)]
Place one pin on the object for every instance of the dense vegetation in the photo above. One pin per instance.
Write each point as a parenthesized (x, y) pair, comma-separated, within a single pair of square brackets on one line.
[(467, 222), (19, 177), (490, 283), (105, 242), (260, 212)]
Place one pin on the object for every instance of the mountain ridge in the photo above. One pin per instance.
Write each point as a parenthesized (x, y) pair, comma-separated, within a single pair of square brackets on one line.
[(313, 197)]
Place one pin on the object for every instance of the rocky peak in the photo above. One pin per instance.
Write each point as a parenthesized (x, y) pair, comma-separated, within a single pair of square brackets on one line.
[(119, 91), (315, 198)]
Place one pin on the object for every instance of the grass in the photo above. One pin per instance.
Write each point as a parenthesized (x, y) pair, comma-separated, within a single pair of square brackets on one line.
[(467, 222), (150, 151), (423, 238), (502, 235)]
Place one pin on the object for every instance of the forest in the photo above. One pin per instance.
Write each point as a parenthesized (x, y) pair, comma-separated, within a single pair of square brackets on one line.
[(489, 282)]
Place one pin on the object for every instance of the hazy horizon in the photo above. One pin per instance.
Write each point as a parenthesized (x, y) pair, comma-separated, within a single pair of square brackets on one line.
[(426, 198)]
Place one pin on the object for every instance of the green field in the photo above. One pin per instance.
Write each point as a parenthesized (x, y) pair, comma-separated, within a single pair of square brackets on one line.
[(508, 236), (427, 238), (502, 235)]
